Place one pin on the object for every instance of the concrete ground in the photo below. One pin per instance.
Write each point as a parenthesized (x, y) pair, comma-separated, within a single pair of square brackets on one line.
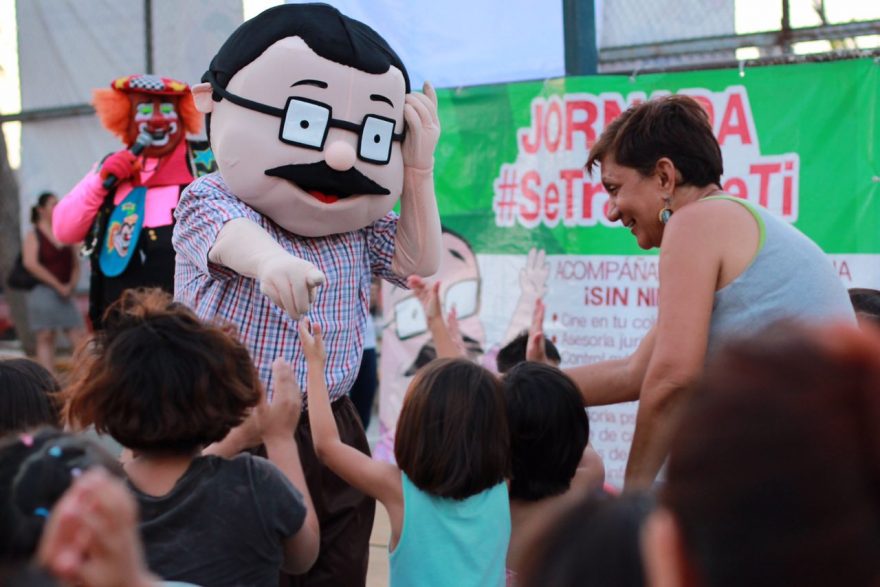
[(377, 571)]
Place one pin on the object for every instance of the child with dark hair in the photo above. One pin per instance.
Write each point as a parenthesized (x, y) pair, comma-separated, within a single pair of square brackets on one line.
[(866, 303), (514, 352), (91, 537), (166, 385), (446, 497), (774, 471), (551, 462), (66, 516), (594, 543), (35, 470), (27, 396), (56, 268)]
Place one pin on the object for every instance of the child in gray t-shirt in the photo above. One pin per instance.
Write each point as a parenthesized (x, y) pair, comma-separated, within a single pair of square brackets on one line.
[(166, 386)]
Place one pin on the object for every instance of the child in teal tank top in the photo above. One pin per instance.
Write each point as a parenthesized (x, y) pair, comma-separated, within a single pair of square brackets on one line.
[(447, 496)]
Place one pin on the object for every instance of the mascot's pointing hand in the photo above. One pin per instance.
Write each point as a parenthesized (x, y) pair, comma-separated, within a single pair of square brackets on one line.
[(290, 282), (422, 129)]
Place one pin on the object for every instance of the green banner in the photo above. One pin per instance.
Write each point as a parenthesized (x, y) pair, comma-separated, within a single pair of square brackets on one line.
[(801, 140)]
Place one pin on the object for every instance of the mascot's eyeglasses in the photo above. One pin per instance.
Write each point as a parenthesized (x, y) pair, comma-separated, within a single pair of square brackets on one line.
[(305, 123)]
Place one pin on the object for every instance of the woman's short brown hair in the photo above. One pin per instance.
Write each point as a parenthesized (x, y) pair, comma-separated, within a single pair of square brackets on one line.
[(159, 379), (676, 127), (452, 438)]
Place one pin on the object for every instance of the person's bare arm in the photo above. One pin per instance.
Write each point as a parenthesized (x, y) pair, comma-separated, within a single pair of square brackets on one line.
[(429, 296), (76, 267), (30, 258), (591, 469), (606, 382), (690, 262), (376, 479), (278, 422), (617, 380)]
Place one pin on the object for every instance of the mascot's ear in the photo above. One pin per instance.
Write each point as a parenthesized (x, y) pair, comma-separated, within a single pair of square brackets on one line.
[(202, 97)]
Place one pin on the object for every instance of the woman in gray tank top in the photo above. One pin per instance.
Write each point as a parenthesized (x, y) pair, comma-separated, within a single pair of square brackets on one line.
[(727, 267)]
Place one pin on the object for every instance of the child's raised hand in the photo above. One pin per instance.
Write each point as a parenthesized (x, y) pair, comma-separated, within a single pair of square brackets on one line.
[(280, 417), (312, 341), (91, 537), (428, 295), (455, 331), (535, 350)]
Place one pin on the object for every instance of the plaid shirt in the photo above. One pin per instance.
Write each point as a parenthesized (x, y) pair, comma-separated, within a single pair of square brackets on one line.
[(341, 305)]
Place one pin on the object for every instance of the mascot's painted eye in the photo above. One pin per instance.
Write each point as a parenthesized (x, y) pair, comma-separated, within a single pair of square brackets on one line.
[(305, 123), (376, 139)]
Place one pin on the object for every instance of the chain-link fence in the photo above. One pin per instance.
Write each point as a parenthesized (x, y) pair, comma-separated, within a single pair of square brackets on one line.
[(649, 35)]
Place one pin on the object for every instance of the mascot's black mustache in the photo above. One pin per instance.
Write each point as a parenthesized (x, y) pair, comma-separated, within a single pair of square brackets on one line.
[(321, 177)]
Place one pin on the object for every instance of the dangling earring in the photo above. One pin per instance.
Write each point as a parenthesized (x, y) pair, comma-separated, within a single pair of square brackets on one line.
[(665, 213)]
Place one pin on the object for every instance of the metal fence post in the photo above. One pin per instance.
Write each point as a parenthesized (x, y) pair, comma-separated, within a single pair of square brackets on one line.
[(579, 26)]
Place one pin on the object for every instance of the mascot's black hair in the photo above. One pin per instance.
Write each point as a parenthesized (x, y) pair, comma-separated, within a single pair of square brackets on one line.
[(326, 31)]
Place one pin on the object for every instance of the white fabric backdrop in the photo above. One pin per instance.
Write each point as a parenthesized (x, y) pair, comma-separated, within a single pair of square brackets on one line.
[(69, 47), (467, 42)]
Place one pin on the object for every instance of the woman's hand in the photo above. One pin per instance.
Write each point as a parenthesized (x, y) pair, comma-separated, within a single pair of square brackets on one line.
[(65, 289)]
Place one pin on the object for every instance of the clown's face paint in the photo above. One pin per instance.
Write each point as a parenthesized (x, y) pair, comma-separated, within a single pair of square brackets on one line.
[(157, 115), (319, 168)]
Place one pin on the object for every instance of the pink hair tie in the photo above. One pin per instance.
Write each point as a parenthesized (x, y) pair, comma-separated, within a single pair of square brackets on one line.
[(27, 439)]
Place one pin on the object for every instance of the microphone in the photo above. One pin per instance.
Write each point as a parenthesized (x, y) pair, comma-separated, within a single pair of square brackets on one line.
[(143, 140)]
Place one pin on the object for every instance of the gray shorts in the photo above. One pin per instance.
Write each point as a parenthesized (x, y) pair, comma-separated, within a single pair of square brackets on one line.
[(49, 311)]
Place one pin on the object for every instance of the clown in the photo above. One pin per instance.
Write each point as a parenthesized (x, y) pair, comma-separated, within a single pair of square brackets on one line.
[(135, 190), (317, 137)]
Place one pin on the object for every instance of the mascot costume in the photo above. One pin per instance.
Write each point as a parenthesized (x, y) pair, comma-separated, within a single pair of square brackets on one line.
[(123, 207), (317, 137)]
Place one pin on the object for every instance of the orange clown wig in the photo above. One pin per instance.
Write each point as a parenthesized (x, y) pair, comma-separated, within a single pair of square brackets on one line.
[(115, 110)]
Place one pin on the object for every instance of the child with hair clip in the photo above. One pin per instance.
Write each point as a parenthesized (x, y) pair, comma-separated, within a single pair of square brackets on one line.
[(165, 385), (36, 468), (446, 497)]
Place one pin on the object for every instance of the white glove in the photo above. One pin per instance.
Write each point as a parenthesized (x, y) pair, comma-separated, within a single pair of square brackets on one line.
[(422, 129), (246, 248), (290, 282)]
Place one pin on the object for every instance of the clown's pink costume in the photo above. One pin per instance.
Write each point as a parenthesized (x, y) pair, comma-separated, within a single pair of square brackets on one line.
[(123, 208)]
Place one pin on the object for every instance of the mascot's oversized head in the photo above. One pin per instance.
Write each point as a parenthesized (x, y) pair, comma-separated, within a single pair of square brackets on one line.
[(305, 117), (161, 106)]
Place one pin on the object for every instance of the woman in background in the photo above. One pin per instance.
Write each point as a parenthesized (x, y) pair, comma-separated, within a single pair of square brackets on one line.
[(56, 266)]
